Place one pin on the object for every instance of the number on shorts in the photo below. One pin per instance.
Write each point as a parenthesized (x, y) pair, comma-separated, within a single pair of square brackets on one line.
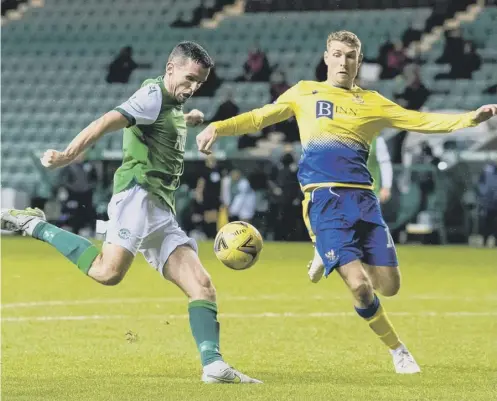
[(390, 243)]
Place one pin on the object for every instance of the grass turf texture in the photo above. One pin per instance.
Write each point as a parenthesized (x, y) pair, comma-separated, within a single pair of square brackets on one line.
[(132, 341)]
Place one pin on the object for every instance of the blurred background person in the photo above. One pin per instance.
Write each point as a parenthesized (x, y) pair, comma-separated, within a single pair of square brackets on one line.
[(487, 199), (208, 195), (239, 196), (122, 67), (77, 183)]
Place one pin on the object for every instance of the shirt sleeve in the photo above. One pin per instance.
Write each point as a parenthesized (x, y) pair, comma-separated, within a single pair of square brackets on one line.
[(426, 123), (383, 158), (143, 107), (255, 120)]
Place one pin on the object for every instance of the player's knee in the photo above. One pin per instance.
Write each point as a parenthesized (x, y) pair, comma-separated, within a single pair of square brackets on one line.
[(391, 286), (111, 277), (391, 289), (107, 273), (362, 290), (110, 267)]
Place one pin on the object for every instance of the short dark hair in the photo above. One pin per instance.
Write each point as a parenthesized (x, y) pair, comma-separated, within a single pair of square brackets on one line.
[(192, 51)]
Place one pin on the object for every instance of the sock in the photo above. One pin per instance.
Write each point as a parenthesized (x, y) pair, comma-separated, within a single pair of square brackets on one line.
[(378, 320), (205, 330), (77, 249)]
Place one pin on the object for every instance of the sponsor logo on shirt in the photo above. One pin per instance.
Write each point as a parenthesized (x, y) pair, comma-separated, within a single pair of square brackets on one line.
[(324, 109), (328, 109)]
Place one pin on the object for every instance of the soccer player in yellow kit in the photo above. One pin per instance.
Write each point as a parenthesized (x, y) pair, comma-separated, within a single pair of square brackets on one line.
[(337, 122), (380, 167)]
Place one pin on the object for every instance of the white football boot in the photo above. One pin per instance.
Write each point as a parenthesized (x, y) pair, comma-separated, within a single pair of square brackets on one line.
[(220, 372), (403, 361), (21, 220), (315, 268)]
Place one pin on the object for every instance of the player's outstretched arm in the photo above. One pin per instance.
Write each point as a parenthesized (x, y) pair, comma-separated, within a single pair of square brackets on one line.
[(109, 122), (142, 108), (434, 123), (245, 123), (249, 122)]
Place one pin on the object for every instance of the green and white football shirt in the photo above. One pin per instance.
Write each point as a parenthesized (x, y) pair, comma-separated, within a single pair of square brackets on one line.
[(153, 143)]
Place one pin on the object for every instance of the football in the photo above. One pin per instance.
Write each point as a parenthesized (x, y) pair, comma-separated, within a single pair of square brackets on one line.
[(238, 245)]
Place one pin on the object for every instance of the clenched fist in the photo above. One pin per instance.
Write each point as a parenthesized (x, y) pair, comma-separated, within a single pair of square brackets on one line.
[(194, 117), (52, 159)]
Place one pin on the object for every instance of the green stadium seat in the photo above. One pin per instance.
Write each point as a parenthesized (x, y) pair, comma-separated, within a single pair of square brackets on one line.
[(443, 85), (436, 102), (230, 146), (55, 58), (429, 71), (190, 140)]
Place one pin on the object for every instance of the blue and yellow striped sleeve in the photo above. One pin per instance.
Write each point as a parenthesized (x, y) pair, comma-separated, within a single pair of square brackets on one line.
[(258, 119), (426, 123)]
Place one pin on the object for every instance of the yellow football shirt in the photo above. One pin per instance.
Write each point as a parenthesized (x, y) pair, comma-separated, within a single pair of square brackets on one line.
[(336, 129)]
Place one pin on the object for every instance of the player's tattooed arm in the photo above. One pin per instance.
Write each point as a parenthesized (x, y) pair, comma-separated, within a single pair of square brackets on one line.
[(109, 122)]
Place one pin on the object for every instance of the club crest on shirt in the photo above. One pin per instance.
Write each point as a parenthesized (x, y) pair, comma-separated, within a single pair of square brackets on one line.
[(357, 99), (152, 89), (124, 233)]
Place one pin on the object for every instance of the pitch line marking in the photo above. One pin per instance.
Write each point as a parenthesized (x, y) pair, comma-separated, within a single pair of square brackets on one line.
[(270, 315), (275, 297)]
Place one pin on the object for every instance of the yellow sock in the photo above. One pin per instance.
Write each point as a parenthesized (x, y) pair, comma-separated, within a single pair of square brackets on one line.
[(378, 320), (382, 326)]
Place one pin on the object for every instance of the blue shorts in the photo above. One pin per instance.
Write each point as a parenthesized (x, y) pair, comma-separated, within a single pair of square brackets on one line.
[(349, 226)]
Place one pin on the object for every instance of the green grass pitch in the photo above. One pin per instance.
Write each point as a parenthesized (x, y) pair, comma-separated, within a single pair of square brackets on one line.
[(65, 337)]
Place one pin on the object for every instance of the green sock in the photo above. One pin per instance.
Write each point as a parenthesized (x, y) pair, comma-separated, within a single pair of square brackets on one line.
[(205, 330), (77, 249)]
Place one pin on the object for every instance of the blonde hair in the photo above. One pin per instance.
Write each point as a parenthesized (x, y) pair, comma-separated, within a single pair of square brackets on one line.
[(346, 37)]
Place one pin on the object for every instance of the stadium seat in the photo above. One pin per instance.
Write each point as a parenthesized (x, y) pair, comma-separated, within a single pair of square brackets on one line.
[(55, 58)]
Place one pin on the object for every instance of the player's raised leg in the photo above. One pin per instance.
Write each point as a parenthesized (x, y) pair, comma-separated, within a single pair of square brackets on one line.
[(184, 269), (107, 267), (386, 279)]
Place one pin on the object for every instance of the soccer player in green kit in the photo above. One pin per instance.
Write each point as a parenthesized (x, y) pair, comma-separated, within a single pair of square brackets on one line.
[(141, 211)]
